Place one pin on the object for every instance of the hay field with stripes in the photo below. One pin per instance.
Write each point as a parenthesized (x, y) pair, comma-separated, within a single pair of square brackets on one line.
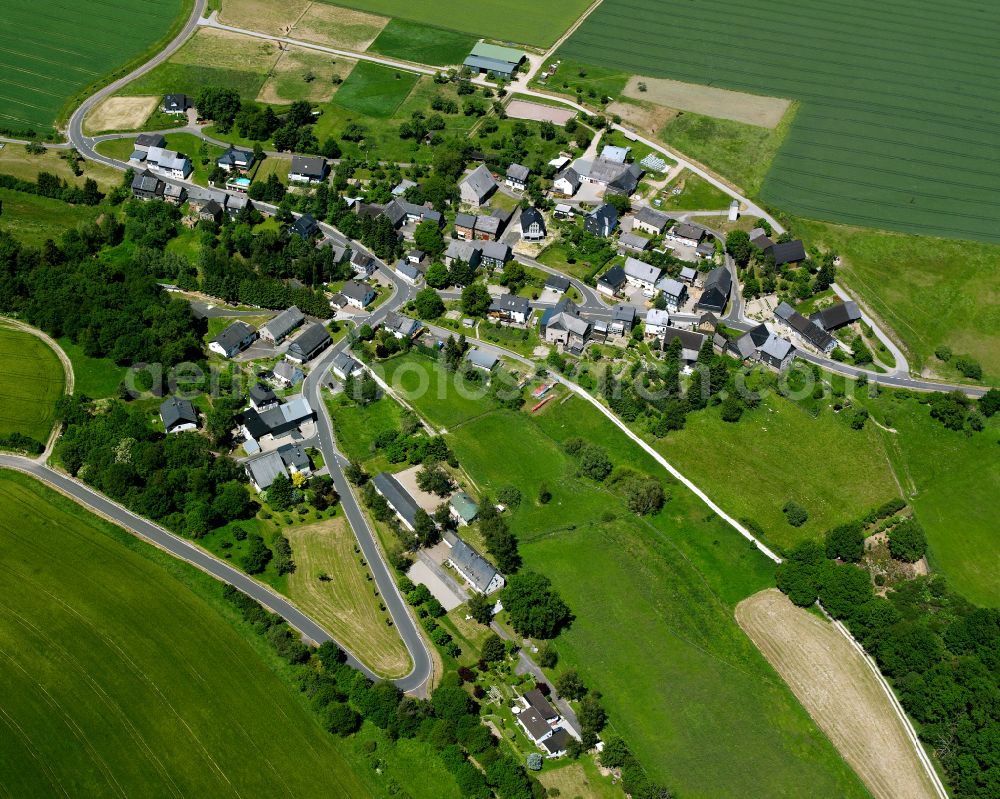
[(51, 51), (900, 101), (31, 381)]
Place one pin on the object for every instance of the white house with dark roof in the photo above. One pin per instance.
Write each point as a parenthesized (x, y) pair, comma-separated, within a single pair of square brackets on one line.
[(657, 321), (494, 254), (175, 104), (674, 293), (235, 158), (178, 415), (233, 340), (307, 169), (532, 224), (612, 282), (567, 182), (510, 309), (479, 573), (639, 273), (345, 366), (169, 162), (400, 325), (517, 176), (408, 271), (477, 186), (357, 294), (651, 221), (685, 233)]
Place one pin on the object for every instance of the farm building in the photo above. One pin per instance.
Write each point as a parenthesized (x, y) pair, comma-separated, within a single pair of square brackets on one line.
[(482, 360), (234, 339), (836, 316), (493, 59), (309, 343), (146, 140), (632, 242), (478, 572), (788, 252), (674, 293), (808, 330), (402, 504), (477, 186)]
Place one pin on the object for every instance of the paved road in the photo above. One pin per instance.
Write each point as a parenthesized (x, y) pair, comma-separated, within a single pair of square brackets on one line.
[(178, 547)]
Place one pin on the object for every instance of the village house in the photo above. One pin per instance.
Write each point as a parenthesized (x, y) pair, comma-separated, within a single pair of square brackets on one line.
[(233, 340), (837, 316), (715, 296), (235, 158), (178, 415), (492, 225), (174, 193), (309, 343), (357, 294), (466, 251), (760, 344), (401, 326), (477, 186), (147, 186), (602, 221), (657, 321), (567, 182), (685, 233), (688, 274), (305, 227), (612, 282), (276, 421), (632, 242), (760, 239), (517, 177), (307, 169), (691, 343), (262, 397), (287, 374), (787, 252), (616, 177), (642, 275), (465, 226), (481, 575), (400, 212), (363, 265), (408, 272), (674, 293), (807, 330), (622, 320), (345, 366), (563, 326), (532, 224), (284, 323), (169, 162), (651, 221), (494, 255), (509, 310), (175, 104), (463, 508), (286, 460)]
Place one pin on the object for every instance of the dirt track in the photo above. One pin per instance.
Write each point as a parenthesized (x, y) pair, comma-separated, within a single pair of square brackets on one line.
[(838, 690)]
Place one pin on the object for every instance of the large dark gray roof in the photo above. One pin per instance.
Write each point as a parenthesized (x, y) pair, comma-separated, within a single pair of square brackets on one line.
[(309, 340), (838, 315), (479, 571), (787, 252), (394, 493), (285, 322), (174, 411), (231, 338)]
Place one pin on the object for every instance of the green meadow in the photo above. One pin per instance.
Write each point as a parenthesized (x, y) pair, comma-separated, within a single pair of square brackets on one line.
[(31, 381)]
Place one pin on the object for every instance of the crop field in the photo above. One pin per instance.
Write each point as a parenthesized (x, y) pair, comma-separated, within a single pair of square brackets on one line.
[(120, 679), (422, 44), (899, 107), (374, 90), (523, 21), (692, 690), (344, 603), (841, 693), (46, 59), (30, 383)]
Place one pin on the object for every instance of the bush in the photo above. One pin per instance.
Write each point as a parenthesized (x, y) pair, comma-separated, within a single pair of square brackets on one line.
[(846, 542), (535, 609), (570, 686), (509, 496), (907, 541), (942, 352), (493, 650), (968, 367), (795, 514)]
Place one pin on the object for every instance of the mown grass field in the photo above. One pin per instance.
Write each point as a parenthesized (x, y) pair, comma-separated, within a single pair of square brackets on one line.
[(523, 21), (896, 127), (374, 90), (31, 382), (697, 194), (120, 679), (33, 219), (422, 44), (96, 377), (48, 58), (345, 603), (16, 161), (653, 600)]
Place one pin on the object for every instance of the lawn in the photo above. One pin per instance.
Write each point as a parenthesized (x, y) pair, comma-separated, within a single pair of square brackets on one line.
[(345, 603), (422, 44), (929, 291), (31, 381), (119, 149), (50, 60), (853, 154), (675, 579), (16, 161), (524, 21), (97, 378), (356, 426), (33, 219), (952, 481), (697, 194), (201, 153), (134, 678), (374, 90)]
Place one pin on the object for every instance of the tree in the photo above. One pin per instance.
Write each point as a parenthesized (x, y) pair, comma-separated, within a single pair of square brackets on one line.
[(795, 514), (570, 685), (732, 408), (428, 304), (619, 202), (475, 299), (799, 574), (339, 719), (493, 649), (428, 238), (437, 275), (738, 245), (844, 588), (257, 555), (544, 494), (425, 529), (534, 760), (547, 656), (282, 549), (535, 609), (846, 542), (232, 502), (434, 480), (355, 473), (989, 403), (280, 493), (594, 462), (644, 495), (481, 608), (219, 104), (451, 702), (907, 541), (969, 367), (591, 714)]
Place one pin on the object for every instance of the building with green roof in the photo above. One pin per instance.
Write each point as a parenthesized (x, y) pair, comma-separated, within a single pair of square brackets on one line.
[(463, 508), (494, 59)]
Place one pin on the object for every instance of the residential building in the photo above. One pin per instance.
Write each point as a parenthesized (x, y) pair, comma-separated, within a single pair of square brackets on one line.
[(401, 503), (777, 353), (517, 176), (233, 340), (691, 342), (708, 323), (400, 212), (146, 186), (307, 169), (477, 186), (674, 293), (287, 460), (760, 344), (622, 319), (567, 182), (287, 374), (657, 321), (806, 329), (532, 224), (482, 359), (467, 251), (415, 257), (651, 221), (305, 227), (494, 254), (479, 573), (602, 221), (534, 726), (557, 283), (210, 212), (509, 310), (632, 242), (688, 274), (169, 162), (718, 284), (277, 329), (617, 178), (685, 233), (401, 327), (277, 421), (463, 508), (363, 264), (358, 295), (465, 226), (146, 140), (612, 282), (787, 252), (262, 398), (639, 273), (745, 347), (492, 225), (345, 366), (175, 104), (309, 343), (705, 249), (562, 325), (178, 415), (235, 158), (836, 316), (174, 193), (494, 60), (409, 272), (760, 239)]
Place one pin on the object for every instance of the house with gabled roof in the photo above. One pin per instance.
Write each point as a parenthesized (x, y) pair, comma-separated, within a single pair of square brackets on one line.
[(787, 252), (650, 220), (563, 325), (309, 343), (602, 221), (147, 186), (308, 169), (687, 234), (612, 282), (477, 186), (567, 182), (837, 316), (277, 329), (401, 326), (532, 224), (345, 366), (399, 500), (178, 415), (517, 176), (233, 339), (715, 296), (639, 273), (463, 508), (806, 329), (494, 59), (478, 573), (509, 309)]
